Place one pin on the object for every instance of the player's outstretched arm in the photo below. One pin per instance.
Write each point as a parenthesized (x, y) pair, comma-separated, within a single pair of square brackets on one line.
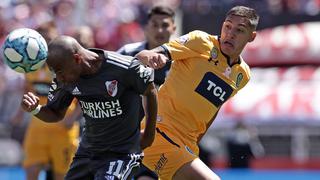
[(150, 108), (30, 103), (155, 58)]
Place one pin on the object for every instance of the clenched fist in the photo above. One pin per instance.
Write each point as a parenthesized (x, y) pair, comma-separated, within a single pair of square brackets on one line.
[(152, 59)]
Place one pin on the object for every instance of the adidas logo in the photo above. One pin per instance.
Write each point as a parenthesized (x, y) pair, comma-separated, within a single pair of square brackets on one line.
[(75, 91)]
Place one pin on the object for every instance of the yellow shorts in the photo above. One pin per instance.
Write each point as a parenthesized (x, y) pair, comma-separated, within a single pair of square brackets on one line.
[(167, 154), (47, 146)]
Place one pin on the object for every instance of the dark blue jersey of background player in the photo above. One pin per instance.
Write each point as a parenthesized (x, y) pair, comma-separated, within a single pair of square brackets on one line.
[(109, 101), (108, 86)]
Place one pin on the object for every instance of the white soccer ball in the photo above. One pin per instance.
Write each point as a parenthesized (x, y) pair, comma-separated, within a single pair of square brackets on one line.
[(24, 50)]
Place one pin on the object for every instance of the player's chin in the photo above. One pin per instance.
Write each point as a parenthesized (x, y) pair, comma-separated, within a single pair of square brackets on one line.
[(161, 40), (227, 50)]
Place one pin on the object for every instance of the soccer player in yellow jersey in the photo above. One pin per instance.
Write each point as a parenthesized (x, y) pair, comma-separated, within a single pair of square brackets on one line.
[(49, 144), (206, 71)]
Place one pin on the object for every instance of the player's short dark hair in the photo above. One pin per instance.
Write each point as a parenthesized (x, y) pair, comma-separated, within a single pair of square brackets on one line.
[(161, 10), (247, 12)]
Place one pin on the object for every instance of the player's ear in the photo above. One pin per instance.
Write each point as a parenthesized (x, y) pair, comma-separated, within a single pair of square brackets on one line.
[(77, 58), (174, 28), (253, 36)]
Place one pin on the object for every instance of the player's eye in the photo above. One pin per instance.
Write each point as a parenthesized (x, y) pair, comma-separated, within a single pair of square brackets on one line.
[(155, 25), (240, 30), (165, 25), (228, 26)]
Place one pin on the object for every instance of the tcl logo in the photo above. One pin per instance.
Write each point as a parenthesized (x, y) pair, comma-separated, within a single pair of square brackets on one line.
[(214, 89)]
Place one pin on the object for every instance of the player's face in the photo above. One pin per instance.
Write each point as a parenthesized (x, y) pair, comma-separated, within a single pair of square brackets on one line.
[(235, 34), (67, 71), (159, 29)]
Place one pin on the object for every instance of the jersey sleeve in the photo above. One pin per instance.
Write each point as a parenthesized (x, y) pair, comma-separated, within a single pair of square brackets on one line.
[(191, 45), (122, 50), (58, 98), (140, 76)]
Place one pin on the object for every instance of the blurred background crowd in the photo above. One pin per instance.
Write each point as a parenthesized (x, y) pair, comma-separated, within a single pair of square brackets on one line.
[(115, 23), (274, 123)]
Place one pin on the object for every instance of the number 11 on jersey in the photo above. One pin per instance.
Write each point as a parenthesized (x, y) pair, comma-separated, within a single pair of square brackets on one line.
[(115, 168)]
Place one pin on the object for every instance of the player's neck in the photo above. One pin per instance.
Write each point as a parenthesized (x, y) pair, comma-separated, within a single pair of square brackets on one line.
[(92, 66), (234, 60), (151, 46)]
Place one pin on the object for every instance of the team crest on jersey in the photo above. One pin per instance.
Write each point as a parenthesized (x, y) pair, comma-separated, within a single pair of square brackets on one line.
[(183, 39), (112, 87), (214, 53), (239, 79), (214, 89)]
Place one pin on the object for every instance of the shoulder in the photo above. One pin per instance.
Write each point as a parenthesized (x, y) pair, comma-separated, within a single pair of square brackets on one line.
[(132, 49), (197, 40), (198, 35), (119, 60), (195, 36)]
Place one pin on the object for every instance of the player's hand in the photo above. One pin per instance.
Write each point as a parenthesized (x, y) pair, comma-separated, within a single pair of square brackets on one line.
[(152, 59), (29, 102)]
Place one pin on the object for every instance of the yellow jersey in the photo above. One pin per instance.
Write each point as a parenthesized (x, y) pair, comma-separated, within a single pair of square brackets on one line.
[(199, 82)]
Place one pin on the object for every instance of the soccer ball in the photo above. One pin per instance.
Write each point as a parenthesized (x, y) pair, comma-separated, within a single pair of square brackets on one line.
[(24, 50)]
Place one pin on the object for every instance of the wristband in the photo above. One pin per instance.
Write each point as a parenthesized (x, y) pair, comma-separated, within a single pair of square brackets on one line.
[(36, 110)]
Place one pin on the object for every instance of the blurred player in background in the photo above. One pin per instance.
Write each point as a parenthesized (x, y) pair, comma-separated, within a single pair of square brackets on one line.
[(206, 71), (49, 146), (108, 86), (160, 26), (243, 145)]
